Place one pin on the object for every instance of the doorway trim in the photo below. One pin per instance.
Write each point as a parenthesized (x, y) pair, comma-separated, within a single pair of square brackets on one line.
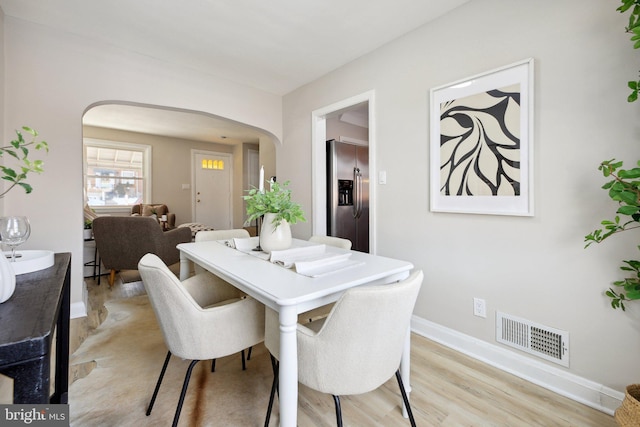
[(194, 153), (319, 160)]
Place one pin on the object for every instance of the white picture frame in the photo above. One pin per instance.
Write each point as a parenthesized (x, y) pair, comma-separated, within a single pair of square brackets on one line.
[(481, 143)]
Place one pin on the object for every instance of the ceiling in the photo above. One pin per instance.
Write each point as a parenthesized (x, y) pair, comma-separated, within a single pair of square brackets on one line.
[(276, 46)]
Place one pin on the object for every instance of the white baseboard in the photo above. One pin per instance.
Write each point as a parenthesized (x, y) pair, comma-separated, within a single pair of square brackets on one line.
[(557, 380), (78, 309)]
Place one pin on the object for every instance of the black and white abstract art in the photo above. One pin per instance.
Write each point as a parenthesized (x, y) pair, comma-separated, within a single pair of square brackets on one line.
[(481, 143)]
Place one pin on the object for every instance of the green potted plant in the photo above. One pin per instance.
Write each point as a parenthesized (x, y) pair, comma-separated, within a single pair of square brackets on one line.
[(624, 188), (277, 211)]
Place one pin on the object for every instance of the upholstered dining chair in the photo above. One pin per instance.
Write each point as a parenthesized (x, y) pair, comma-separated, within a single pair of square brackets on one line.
[(206, 235), (370, 320), (338, 242), (200, 318)]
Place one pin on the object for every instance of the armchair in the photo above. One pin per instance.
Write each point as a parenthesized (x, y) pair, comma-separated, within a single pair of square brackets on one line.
[(144, 209), (123, 240)]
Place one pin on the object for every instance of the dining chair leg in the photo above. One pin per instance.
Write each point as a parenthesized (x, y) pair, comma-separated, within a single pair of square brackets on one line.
[(155, 392), (274, 387), (244, 365), (183, 392), (336, 399), (405, 399), (112, 277), (249, 353), (213, 365)]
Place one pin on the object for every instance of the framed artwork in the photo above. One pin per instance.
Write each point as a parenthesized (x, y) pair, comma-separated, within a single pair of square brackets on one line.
[(481, 143)]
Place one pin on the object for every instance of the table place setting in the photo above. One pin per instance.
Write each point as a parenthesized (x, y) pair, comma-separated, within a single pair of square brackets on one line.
[(312, 261)]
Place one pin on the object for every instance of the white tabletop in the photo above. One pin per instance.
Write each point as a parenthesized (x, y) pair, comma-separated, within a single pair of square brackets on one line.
[(276, 286)]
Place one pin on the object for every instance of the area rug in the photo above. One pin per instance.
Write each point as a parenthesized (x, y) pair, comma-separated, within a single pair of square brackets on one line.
[(128, 351), (130, 276)]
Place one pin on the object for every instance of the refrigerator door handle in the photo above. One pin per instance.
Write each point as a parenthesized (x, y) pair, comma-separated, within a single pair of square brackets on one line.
[(358, 193)]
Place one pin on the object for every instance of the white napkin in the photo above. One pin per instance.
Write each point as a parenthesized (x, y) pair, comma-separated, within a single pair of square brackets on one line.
[(313, 261), (324, 265), (245, 244)]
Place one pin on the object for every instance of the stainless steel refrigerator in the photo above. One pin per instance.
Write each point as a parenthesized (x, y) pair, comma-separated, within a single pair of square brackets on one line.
[(348, 193)]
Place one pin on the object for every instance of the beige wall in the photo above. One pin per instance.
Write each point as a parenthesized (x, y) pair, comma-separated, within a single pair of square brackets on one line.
[(531, 267)]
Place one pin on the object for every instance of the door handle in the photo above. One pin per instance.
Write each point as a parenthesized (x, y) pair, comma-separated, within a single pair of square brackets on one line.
[(357, 188), (359, 194)]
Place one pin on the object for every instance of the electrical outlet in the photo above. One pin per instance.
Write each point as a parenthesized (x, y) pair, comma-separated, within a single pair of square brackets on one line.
[(479, 307)]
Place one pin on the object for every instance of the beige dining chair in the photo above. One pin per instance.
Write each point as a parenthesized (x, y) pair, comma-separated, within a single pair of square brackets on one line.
[(207, 235), (200, 318), (338, 242), (370, 320)]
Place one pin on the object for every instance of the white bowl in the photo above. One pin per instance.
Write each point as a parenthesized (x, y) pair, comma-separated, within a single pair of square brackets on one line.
[(30, 261)]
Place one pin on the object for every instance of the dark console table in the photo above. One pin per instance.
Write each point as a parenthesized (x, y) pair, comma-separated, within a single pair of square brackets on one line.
[(39, 306)]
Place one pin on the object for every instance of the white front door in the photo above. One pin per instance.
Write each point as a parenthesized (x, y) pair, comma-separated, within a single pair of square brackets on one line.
[(212, 189)]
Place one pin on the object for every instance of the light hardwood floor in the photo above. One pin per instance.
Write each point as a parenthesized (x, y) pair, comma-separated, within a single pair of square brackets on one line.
[(448, 389)]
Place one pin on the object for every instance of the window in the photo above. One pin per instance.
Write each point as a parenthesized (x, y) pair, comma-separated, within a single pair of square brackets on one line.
[(117, 174), (212, 164)]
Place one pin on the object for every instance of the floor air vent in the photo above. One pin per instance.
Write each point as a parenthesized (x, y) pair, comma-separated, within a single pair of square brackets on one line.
[(542, 341)]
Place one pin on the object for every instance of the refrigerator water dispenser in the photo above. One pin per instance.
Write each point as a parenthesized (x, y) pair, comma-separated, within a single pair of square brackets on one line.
[(345, 192)]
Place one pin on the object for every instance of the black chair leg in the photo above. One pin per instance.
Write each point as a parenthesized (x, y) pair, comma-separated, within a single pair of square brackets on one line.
[(183, 392), (274, 387), (213, 365), (336, 399), (244, 365), (155, 392), (249, 353), (405, 399)]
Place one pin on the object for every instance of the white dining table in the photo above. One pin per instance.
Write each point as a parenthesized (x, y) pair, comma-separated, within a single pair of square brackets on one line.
[(291, 293)]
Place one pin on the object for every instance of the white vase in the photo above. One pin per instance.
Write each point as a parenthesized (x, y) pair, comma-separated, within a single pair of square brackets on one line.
[(7, 278), (274, 238)]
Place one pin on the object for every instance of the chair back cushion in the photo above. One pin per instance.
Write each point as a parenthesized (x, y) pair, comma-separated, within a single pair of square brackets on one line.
[(361, 342), (331, 241), (237, 233), (150, 209)]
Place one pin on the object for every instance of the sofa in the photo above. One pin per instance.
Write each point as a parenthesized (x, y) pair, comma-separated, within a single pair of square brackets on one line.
[(122, 240), (150, 209)]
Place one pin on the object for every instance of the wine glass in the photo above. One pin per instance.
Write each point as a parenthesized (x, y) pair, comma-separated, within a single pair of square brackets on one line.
[(14, 231)]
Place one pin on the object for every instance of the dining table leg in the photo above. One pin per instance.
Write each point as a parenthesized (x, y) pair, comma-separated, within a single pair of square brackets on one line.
[(288, 372), (185, 265)]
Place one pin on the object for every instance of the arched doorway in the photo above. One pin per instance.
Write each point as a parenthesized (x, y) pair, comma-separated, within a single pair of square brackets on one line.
[(171, 136)]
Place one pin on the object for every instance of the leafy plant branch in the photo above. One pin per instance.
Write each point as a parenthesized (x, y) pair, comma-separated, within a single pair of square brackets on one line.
[(624, 188), (634, 29), (19, 150)]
